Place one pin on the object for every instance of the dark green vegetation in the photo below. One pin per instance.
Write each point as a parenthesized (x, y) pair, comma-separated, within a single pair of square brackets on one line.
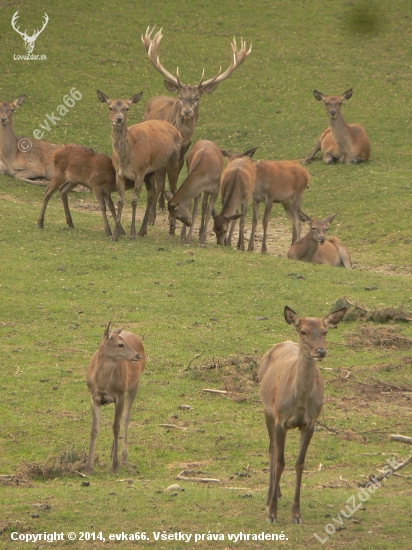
[(59, 288)]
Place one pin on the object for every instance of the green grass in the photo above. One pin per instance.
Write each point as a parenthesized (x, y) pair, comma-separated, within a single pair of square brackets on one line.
[(197, 309)]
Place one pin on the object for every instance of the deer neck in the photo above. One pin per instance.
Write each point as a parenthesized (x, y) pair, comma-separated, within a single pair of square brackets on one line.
[(104, 372), (186, 126), (305, 377), (120, 142), (340, 132), (307, 247), (8, 142)]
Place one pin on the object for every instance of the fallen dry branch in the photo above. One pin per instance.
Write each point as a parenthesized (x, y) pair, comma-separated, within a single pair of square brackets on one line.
[(219, 392), (377, 315), (381, 336), (183, 476), (173, 427), (401, 438)]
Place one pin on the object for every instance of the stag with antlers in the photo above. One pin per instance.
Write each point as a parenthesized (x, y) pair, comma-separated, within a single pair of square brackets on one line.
[(29, 41), (182, 112)]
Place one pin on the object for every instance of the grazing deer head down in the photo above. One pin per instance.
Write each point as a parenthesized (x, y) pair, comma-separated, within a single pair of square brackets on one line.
[(29, 40), (291, 390)]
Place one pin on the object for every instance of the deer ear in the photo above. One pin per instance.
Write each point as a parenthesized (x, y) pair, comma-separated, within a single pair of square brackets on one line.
[(103, 97), (334, 318), (118, 330), (170, 87), (107, 332), (304, 217), (209, 88), (214, 213), (225, 153), (347, 94), (318, 95), (169, 196), (135, 98), (19, 101), (232, 218), (329, 219), (249, 152), (291, 317)]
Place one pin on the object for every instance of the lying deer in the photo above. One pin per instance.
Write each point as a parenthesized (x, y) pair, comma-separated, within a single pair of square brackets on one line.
[(291, 390), (341, 142), (236, 188), (139, 151), (282, 182), (23, 158), (314, 247), (205, 166), (182, 111), (75, 164), (114, 370)]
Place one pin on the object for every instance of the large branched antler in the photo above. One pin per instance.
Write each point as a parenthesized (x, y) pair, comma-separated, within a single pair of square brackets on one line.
[(151, 46), (238, 57)]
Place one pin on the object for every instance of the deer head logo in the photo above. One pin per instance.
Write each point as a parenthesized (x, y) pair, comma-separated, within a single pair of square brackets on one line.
[(29, 41)]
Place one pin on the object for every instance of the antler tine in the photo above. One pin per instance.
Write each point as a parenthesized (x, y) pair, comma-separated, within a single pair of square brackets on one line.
[(46, 20), (151, 48), (238, 57), (13, 22), (201, 79)]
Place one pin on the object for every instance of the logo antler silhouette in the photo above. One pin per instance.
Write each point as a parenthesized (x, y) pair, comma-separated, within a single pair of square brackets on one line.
[(29, 41)]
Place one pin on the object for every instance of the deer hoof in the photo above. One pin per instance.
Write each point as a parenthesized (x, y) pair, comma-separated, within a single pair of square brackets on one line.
[(272, 520), (297, 521)]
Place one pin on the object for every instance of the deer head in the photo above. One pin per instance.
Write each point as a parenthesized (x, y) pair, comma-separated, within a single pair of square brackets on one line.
[(29, 41), (318, 227)]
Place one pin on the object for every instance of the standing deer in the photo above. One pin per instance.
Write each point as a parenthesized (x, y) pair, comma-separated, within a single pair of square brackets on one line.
[(341, 142), (314, 247), (23, 158), (114, 370), (236, 188), (74, 165), (291, 391), (138, 151), (205, 166), (283, 182), (182, 112)]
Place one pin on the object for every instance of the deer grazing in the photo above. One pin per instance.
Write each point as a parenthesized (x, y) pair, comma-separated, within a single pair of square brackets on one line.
[(23, 158), (341, 142), (282, 182), (74, 165), (29, 40), (114, 370), (315, 248), (138, 151), (291, 391), (205, 166), (236, 188), (182, 111)]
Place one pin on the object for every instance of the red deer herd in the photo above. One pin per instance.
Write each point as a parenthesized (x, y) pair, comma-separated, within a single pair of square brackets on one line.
[(291, 384)]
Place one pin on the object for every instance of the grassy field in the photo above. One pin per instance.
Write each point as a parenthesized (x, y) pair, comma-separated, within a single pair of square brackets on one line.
[(207, 315)]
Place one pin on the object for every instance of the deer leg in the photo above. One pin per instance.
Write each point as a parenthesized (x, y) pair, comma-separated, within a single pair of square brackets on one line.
[(206, 216), (292, 212), (50, 189), (228, 239), (277, 435), (119, 404), (255, 207), (313, 152), (305, 437), (328, 158), (137, 188), (265, 223), (242, 221), (131, 394), (121, 187), (160, 177), (102, 203), (96, 411), (112, 209), (194, 217)]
